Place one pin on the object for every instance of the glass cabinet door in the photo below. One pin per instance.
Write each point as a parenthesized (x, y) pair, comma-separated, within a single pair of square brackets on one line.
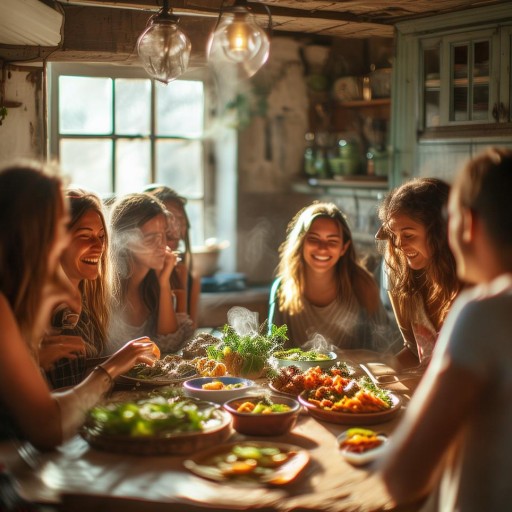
[(470, 81), (460, 81), (431, 84)]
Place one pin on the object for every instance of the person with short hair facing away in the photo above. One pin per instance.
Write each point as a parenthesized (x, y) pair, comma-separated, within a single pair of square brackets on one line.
[(143, 263), (32, 284), (186, 285), (86, 262), (322, 289), (454, 440), (419, 266)]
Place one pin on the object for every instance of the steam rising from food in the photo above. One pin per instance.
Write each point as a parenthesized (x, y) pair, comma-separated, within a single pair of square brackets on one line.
[(244, 322)]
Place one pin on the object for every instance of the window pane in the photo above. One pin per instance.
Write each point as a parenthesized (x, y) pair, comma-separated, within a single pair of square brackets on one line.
[(460, 104), (133, 106), (88, 163), (180, 109), (179, 164), (480, 103), (85, 105), (133, 164)]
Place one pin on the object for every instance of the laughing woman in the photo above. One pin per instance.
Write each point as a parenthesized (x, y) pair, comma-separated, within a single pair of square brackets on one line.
[(421, 269), (31, 243), (69, 344), (321, 289), (144, 303)]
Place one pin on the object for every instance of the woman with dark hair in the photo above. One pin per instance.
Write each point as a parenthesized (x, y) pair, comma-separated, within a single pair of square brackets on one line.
[(322, 289), (31, 285), (144, 301), (184, 283), (420, 267), (80, 335)]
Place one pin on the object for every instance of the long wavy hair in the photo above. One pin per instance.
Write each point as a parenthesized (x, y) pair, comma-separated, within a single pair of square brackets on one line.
[(424, 200), (30, 204), (169, 195), (97, 292), (352, 279), (128, 215)]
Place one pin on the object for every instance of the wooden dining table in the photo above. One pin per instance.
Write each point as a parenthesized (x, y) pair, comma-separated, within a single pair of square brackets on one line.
[(77, 477)]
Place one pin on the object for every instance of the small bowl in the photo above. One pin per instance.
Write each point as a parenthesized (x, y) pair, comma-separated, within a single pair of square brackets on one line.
[(273, 424), (194, 388), (305, 365)]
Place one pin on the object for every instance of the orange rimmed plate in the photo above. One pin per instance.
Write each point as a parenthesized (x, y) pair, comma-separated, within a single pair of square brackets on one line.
[(351, 418), (207, 464)]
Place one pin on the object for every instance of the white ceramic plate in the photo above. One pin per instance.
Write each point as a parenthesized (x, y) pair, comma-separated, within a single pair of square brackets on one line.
[(194, 388), (361, 458), (164, 380), (325, 364)]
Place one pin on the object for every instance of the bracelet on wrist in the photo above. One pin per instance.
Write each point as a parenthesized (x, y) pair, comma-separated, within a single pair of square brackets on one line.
[(105, 372)]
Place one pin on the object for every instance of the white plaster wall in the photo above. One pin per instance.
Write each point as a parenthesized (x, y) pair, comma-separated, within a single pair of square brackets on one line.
[(22, 131)]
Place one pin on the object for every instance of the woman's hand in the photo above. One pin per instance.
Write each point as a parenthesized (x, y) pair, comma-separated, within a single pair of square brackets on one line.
[(171, 260), (53, 348), (140, 350)]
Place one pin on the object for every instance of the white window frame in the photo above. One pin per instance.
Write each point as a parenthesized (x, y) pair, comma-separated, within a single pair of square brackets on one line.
[(56, 69)]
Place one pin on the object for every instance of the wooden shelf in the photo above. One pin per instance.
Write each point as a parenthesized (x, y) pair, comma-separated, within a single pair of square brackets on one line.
[(378, 102), (367, 187)]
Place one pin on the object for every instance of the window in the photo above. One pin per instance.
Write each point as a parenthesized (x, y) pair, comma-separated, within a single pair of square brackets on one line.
[(114, 131)]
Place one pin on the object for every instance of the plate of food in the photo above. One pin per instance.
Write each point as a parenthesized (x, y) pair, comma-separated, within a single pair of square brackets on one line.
[(171, 369), (360, 446), (291, 380), (250, 462), (156, 424), (218, 389), (351, 402), (303, 359)]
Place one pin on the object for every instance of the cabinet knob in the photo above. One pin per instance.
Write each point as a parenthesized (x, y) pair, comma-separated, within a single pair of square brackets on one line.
[(500, 112), (495, 114)]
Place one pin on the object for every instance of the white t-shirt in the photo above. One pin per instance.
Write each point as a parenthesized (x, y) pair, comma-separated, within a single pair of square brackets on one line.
[(477, 336)]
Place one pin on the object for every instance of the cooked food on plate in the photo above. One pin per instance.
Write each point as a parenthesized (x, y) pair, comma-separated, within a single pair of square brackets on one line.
[(297, 354), (169, 368), (360, 440), (292, 380), (217, 385)]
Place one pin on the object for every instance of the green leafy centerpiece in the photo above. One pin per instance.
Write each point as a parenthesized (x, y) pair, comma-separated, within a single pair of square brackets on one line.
[(246, 347)]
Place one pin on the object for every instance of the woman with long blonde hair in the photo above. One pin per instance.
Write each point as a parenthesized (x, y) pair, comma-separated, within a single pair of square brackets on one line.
[(322, 289), (86, 262)]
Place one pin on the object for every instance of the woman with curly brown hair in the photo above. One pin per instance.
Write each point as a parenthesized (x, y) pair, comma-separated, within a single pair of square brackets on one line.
[(420, 267), (322, 289)]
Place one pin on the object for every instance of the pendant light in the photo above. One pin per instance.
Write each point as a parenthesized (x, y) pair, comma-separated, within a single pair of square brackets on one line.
[(163, 48), (238, 41)]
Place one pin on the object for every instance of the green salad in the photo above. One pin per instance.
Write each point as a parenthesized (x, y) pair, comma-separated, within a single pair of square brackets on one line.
[(297, 354), (157, 415)]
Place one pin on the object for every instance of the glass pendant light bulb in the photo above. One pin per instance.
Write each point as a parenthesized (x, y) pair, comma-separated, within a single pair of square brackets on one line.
[(238, 40), (163, 48)]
